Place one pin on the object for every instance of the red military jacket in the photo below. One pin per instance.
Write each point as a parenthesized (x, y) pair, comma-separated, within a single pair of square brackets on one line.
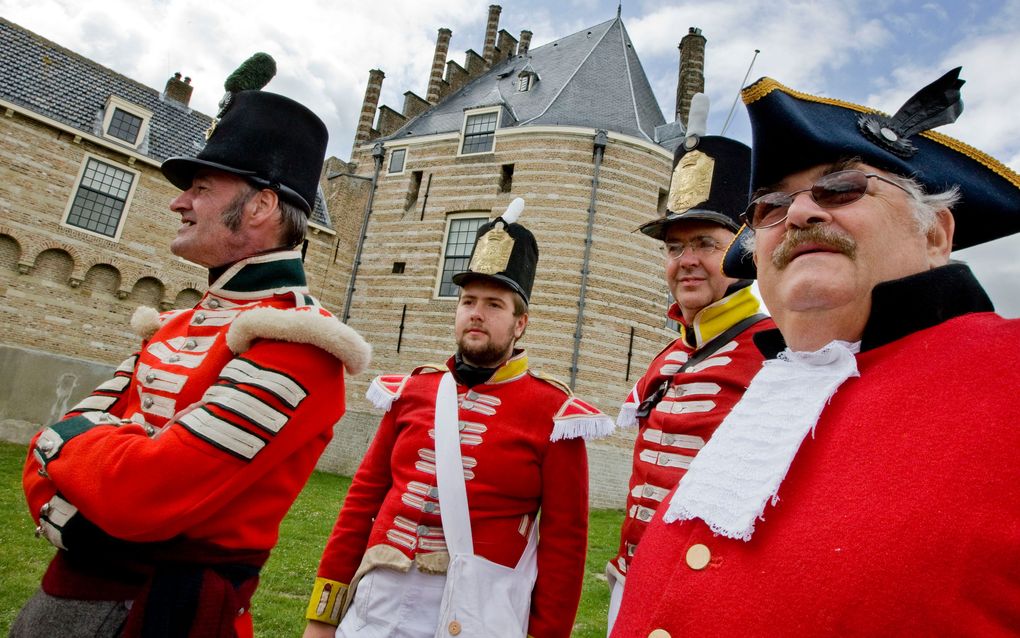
[(900, 514), (698, 399), (207, 433), (522, 441)]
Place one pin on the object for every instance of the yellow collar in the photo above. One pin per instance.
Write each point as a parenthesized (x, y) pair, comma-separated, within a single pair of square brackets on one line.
[(717, 317)]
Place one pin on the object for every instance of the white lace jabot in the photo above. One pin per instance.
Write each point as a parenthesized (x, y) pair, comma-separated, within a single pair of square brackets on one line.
[(739, 470)]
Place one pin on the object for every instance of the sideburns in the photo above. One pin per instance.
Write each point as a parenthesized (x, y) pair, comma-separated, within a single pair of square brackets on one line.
[(234, 211)]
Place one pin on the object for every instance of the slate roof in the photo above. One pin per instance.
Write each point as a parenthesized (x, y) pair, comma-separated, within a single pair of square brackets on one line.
[(56, 83), (591, 79)]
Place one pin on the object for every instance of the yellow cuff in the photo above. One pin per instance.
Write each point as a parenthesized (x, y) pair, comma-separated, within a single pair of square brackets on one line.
[(327, 601)]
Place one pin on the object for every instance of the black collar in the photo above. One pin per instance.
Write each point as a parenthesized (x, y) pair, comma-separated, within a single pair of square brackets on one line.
[(908, 305)]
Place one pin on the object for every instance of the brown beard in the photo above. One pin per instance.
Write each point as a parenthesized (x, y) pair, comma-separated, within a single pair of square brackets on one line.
[(490, 355), (814, 234)]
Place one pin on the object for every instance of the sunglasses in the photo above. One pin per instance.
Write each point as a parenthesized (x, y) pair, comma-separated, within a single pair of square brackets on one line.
[(830, 191)]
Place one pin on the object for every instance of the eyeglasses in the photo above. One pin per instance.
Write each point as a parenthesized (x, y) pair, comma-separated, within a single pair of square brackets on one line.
[(701, 246), (830, 191)]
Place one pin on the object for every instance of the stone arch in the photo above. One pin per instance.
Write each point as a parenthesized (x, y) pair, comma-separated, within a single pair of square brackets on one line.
[(53, 264), (187, 298), (101, 281), (10, 251), (147, 291)]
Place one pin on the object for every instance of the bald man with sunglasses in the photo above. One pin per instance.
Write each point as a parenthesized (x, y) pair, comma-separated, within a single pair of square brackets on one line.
[(695, 380), (868, 481)]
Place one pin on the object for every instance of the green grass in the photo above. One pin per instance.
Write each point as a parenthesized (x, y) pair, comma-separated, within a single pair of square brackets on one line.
[(279, 605)]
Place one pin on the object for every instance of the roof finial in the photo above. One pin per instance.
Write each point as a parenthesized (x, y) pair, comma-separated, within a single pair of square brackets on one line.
[(619, 9)]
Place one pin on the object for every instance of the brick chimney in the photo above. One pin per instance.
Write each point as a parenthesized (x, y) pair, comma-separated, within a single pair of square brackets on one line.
[(438, 64), (363, 134), (525, 43), (489, 49), (178, 90), (692, 72)]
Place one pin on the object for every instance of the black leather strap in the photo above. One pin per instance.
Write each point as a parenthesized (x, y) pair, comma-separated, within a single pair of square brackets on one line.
[(648, 404)]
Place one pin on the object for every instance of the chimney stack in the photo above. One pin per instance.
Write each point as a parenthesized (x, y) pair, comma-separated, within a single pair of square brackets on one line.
[(178, 90), (438, 63), (489, 50), (372, 91), (525, 43), (692, 72)]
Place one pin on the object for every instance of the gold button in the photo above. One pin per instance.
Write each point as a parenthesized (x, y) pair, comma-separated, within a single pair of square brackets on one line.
[(698, 556), (659, 633), (454, 628)]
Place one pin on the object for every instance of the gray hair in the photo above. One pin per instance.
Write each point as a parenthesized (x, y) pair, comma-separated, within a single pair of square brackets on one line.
[(293, 220)]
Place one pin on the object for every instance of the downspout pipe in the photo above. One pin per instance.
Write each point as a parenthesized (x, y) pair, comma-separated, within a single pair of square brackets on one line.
[(601, 139), (378, 152)]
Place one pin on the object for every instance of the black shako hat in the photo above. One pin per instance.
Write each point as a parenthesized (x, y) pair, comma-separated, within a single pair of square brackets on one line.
[(505, 252), (268, 139), (794, 131), (711, 175)]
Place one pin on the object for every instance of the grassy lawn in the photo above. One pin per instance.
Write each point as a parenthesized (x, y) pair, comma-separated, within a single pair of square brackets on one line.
[(279, 604)]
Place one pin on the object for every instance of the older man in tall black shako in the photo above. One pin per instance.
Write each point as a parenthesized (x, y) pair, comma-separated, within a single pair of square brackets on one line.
[(163, 491)]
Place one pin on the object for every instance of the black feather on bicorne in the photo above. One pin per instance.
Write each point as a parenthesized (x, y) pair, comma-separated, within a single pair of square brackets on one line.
[(253, 74), (936, 104)]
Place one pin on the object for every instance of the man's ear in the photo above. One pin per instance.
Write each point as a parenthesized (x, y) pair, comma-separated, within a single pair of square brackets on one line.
[(940, 238), (521, 326), (265, 205)]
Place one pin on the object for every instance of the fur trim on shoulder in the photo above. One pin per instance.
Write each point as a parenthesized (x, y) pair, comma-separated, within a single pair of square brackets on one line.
[(145, 321), (577, 419), (301, 326)]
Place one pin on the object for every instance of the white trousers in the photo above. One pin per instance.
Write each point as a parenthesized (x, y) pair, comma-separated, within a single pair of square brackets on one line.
[(615, 598), (388, 603)]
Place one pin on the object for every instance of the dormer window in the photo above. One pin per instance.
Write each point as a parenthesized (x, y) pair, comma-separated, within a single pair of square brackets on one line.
[(125, 122), (526, 78)]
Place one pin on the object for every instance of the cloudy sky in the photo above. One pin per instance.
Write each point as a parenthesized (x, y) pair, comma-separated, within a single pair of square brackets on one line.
[(873, 52)]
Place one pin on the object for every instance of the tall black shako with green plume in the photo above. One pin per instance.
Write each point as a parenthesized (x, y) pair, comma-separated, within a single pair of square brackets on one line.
[(268, 139)]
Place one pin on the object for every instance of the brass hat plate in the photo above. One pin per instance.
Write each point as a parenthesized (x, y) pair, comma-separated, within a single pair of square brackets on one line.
[(492, 254), (691, 183)]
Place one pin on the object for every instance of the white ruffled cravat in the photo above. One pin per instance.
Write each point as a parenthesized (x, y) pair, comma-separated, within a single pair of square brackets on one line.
[(739, 470)]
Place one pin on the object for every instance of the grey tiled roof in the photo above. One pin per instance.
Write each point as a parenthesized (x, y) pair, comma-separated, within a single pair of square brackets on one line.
[(61, 85), (64, 86), (590, 79)]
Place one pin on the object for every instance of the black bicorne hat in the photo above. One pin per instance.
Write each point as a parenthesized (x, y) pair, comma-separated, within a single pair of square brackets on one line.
[(268, 139), (794, 131), (505, 252), (711, 175)]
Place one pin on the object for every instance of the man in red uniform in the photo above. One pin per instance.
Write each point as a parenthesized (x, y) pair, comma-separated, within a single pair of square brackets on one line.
[(524, 464), (695, 381), (164, 489), (867, 483)]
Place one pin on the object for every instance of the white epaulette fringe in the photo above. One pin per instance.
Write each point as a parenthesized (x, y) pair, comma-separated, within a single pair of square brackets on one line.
[(588, 428), (627, 418)]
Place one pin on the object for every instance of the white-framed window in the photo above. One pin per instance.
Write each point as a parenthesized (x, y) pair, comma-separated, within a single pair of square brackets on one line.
[(100, 200), (479, 131), (524, 82), (397, 157), (125, 122), (459, 240)]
